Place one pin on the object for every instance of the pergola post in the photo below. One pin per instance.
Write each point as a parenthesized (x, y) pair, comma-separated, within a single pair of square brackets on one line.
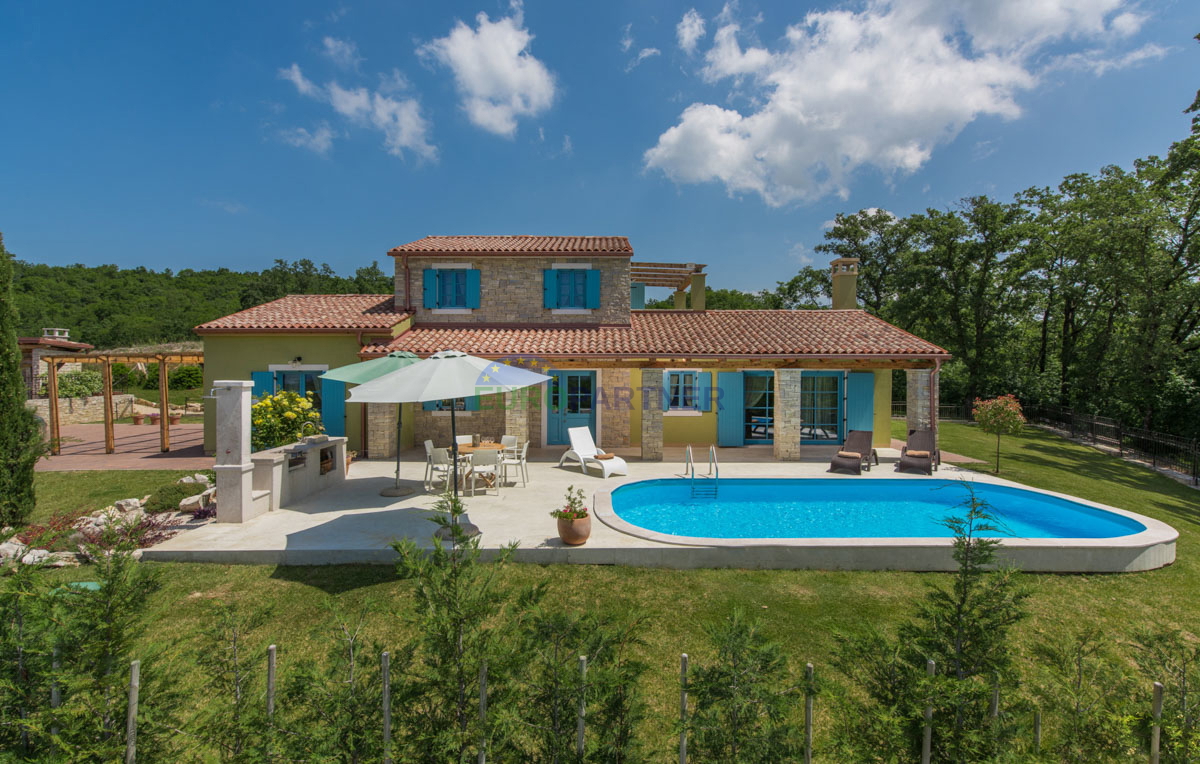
[(52, 392), (110, 441), (164, 428)]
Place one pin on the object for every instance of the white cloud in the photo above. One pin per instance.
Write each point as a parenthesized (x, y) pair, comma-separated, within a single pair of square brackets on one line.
[(626, 38), (689, 31), (319, 141), (1099, 62), (400, 120), (393, 82), (567, 147), (879, 87), (497, 78), (642, 55), (343, 53)]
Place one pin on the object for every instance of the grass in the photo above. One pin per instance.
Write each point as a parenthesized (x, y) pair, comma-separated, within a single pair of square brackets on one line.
[(81, 493), (801, 609), (175, 397)]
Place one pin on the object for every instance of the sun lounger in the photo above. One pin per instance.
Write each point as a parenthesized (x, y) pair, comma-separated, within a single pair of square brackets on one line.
[(920, 454), (855, 453), (584, 451)]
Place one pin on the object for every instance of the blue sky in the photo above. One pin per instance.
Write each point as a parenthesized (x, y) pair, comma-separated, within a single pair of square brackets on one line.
[(176, 135)]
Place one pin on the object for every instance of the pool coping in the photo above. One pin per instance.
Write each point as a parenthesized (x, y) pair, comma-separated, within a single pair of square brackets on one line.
[(1151, 548)]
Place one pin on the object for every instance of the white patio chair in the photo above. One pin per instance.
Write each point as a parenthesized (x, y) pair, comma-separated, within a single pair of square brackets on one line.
[(518, 459), (509, 442), (439, 464), (584, 451), (485, 464), (428, 459), (464, 440)]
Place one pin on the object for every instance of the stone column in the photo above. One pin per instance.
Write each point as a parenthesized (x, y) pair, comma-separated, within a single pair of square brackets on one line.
[(233, 467), (652, 418), (680, 299), (616, 400), (381, 430), (918, 399), (698, 293), (516, 413), (787, 415)]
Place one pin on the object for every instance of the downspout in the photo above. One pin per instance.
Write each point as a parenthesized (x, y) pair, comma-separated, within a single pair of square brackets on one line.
[(408, 303)]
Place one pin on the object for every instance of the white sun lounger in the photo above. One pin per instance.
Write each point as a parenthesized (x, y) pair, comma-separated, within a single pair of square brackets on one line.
[(584, 451)]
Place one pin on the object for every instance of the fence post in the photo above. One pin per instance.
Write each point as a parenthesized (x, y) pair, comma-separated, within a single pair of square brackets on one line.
[(270, 682), (135, 683), (683, 671), (994, 709), (1156, 730), (808, 713), (582, 706), (1120, 440), (483, 713), (927, 736), (385, 670)]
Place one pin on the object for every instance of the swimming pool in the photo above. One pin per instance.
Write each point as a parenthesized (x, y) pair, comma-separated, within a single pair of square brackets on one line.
[(838, 508), (871, 523)]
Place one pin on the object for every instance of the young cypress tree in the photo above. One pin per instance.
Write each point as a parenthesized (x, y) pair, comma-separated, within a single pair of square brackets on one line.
[(20, 441)]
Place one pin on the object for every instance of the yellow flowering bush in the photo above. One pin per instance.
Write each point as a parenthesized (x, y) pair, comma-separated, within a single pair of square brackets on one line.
[(282, 418)]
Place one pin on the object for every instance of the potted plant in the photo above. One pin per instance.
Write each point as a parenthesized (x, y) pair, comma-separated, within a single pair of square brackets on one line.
[(574, 522), (174, 417), (138, 418)]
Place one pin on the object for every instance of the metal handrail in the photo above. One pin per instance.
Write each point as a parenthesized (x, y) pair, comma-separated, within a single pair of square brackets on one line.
[(714, 466)]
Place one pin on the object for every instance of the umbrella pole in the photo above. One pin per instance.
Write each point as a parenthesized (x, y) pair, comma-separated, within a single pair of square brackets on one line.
[(454, 445), (397, 489)]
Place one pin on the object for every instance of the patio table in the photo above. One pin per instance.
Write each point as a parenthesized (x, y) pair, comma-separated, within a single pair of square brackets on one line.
[(466, 451)]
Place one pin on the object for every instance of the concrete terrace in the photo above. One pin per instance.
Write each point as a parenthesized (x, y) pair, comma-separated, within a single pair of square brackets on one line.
[(356, 525)]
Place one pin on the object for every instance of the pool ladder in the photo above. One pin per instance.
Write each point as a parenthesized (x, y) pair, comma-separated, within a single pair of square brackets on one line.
[(706, 486)]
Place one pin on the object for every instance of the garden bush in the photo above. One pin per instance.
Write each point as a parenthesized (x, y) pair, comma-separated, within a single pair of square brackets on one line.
[(125, 376), (150, 382), (80, 384), (186, 377), (167, 498), (282, 418)]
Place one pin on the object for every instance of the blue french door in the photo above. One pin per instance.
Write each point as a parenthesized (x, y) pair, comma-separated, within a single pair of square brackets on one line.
[(571, 402), (821, 406), (758, 417)]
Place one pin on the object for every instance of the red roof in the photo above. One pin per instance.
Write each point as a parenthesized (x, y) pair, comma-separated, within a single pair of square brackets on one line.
[(313, 313), (517, 245), (714, 333), (53, 342)]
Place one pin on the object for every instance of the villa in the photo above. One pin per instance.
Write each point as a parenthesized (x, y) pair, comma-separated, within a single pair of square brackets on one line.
[(573, 308)]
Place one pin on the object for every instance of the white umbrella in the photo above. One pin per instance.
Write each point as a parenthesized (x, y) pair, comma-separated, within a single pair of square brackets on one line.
[(449, 374)]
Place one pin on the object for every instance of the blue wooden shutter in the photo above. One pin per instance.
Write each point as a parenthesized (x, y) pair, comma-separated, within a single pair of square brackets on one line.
[(637, 295), (704, 390), (264, 383), (668, 383), (473, 288), (333, 407), (472, 403), (550, 288), (731, 405), (431, 293), (593, 289), (860, 401), (429, 405)]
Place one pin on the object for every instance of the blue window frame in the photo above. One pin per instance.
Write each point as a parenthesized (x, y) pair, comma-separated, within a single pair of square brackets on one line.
[(572, 288), (682, 391), (452, 288)]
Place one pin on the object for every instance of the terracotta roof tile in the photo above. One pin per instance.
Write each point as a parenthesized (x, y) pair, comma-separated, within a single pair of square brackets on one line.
[(737, 333), (312, 313), (520, 245), (54, 342)]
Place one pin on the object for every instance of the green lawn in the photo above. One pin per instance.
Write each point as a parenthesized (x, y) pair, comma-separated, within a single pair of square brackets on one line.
[(802, 609), (175, 397), (81, 493)]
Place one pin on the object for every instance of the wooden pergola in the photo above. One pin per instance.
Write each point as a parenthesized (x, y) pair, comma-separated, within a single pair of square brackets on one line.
[(677, 276), (106, 360)]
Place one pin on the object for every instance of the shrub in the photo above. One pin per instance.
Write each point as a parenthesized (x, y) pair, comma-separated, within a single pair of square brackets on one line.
[(999, 416), (125, 377), (282, 418), (186, 377), (167, 498), (150, 379), (80, 384)]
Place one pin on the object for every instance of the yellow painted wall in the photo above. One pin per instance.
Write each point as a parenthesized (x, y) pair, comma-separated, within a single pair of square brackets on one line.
[(234, 356), (882, 427)]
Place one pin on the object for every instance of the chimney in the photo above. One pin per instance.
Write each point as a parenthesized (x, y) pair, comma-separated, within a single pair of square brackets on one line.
[(845, 283), (57, 334), (697, 291)]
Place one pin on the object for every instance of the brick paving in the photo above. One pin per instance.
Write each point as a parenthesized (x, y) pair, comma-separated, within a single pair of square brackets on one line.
[(137, 448)]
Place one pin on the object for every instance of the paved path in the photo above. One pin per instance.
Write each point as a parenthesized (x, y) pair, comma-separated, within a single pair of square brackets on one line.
[(137, 448)]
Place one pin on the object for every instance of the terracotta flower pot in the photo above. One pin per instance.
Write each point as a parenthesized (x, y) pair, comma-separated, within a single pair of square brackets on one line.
[(174, 418), (575, 532), (139, 418)]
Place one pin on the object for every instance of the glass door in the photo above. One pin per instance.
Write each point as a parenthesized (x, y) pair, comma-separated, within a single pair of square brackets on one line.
[(572, 403), (759, 417), (821, 407)]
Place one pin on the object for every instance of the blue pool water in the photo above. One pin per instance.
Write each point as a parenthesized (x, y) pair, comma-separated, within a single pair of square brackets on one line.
[(833, 508)]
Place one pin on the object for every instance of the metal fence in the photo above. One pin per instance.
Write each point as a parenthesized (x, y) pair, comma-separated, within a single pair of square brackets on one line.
[(1158, 448), (947, 412)]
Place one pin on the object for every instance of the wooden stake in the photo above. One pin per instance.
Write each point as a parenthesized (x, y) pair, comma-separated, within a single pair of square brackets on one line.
[(164, 427), (683, 671), (52, 394), (582, 706), (270, 682), (110, 444), (1156, 730), (386, 670), (135, 683), (808, 713), (927, 737)]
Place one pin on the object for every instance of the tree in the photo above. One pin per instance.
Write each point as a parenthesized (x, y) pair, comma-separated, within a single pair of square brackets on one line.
[(882, 242), (20, 436), (999, 416), (233, 720)]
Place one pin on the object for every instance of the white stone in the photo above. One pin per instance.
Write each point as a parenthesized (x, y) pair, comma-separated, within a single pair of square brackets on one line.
[(192, 503), (62, 560), (125, 505), (11, 550), (34, 556), (187, 480), (208, 496), (201, 478), (133, 516)]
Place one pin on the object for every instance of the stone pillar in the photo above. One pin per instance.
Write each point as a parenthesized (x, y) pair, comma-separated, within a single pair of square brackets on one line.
[(680, 299), (918, 399), (787, 415), (652, 418), (516, 413), (616, 400), (698, 294), (233, 467), (381, 430)]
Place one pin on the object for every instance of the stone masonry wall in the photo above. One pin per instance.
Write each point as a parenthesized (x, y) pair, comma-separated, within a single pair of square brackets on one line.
[(488, 421), (511, 290), (652, 419), (82, 410), (787, 414), (381, 430), (917, 408), (615, 413)]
